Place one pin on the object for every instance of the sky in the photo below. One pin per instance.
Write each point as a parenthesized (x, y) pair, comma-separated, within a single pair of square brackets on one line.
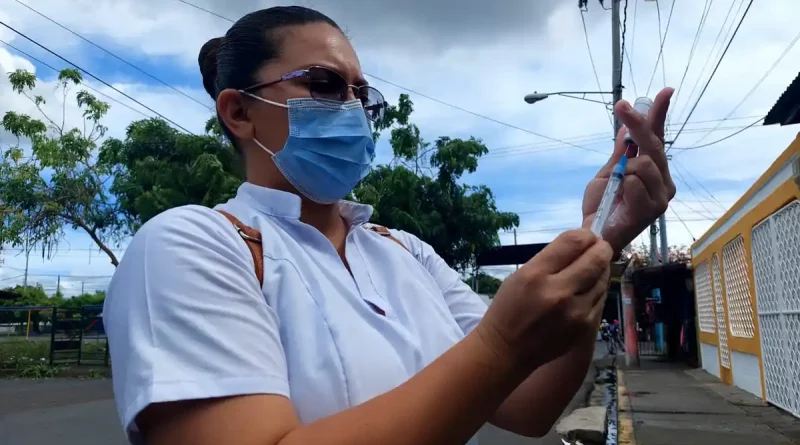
[(467, 66)]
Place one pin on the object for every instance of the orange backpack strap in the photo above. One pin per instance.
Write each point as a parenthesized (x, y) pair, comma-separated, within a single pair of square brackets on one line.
[(252, 238), (384, 232)]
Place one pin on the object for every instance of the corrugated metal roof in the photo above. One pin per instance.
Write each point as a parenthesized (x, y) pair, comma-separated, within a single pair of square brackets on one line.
[(786, 110)]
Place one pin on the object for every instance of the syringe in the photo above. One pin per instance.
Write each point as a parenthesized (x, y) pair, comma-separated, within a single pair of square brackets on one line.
[(642, 106), (610, 194)]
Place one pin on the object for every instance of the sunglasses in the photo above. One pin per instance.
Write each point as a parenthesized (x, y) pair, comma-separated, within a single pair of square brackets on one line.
[(326, 84)]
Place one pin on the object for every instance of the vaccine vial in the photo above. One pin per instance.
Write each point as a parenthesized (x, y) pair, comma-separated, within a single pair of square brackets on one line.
[(642, 106)]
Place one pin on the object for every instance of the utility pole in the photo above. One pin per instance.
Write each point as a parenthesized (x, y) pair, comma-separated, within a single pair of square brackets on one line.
[(662, 230), (515, 243), (58, 285), (653, 245), (631, 336), (617, 85), (627, 308), (616, 63)]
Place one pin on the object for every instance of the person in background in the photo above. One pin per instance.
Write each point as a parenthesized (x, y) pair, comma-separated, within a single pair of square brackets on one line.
[(605, 335), (616, 335), (281, 317)]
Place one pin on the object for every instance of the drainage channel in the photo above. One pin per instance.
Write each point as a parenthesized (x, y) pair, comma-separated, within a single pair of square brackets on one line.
[(611, 399), (608, 379)]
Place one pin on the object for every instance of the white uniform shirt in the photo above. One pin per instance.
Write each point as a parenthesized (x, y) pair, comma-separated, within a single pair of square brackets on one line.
[(186, 319)]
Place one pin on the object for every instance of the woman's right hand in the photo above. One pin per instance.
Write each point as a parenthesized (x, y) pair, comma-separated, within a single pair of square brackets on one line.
[(552, 302)]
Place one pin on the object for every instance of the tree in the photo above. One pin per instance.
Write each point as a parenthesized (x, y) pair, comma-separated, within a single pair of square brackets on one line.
[(61, 182), (157, 168), (420, 191), (485, 283), (677, 254)]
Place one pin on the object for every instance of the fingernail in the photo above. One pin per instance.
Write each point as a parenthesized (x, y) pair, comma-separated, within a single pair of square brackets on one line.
[(626, 106)]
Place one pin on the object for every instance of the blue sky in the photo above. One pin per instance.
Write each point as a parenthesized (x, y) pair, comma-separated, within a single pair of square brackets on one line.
[(479, 56)]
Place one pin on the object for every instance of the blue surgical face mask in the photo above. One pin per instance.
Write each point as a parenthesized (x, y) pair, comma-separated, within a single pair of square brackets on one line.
[(329, 149)]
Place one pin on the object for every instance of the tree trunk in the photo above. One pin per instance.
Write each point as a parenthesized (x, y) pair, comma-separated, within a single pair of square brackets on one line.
[(99, 243)]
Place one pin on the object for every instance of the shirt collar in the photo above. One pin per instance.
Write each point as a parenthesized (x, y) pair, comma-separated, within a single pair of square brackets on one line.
[(282, 204)]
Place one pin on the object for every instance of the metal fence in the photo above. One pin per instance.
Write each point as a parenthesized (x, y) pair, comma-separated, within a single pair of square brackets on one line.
[(78, 337), (25, 321), (41, 335)]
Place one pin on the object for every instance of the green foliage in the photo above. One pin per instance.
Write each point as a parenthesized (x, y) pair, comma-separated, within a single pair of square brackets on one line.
[(420, 191), (35, 296), (486, 284), (62, 183), (79, 301), (157, 168), (27, 359), (677, 254), (110, 190)]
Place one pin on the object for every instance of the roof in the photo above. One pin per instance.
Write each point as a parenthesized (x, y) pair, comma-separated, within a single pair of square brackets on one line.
[(520, 254), (786, 110), (509, 255)]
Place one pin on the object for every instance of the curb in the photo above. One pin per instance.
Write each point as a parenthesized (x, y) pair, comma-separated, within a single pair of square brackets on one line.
[(626, 436)]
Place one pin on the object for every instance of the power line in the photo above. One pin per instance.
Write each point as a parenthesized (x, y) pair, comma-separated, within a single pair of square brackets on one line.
[(714, 198), (594, 67), (661, 49), (692, 190), (116, 56), (700, 26), (695, 211), (755, 87), (630, 71), (586, 140), (633, 32), (455, 107), (725, 28), (82, 83), (719, 62), (624, 32), (722, 139), (569, 207), (563, 229), (94, 77), (206, 10), (684, 224)]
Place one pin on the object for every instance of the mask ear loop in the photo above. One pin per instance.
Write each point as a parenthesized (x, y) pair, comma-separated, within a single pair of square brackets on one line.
[(263, 147), (267, 101)]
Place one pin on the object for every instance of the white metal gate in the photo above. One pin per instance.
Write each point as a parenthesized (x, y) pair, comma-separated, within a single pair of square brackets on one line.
[(776, 269), (722, 329)]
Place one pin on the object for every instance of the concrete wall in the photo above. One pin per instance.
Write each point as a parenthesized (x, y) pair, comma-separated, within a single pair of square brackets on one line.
[(710, 358), (746, 372)]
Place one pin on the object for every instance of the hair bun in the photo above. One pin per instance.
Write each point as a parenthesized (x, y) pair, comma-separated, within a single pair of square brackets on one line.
[(207, 59)]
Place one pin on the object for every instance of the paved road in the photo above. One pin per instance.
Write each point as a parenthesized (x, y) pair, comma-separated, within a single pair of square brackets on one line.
[(82, 412), (59, 411)]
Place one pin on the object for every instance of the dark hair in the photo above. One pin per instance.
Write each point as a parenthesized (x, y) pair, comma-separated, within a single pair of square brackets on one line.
[(233, 60)]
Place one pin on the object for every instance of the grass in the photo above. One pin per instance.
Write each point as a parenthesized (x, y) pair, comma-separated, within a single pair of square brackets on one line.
[(31, 359)]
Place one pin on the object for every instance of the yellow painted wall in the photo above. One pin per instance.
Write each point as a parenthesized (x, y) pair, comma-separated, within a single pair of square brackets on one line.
[(784, 194)]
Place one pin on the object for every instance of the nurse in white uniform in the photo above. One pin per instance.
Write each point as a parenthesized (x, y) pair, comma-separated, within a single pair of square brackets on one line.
[(283, 317)]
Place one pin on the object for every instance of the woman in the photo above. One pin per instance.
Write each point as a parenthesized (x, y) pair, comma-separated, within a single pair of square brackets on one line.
[(326, 332)]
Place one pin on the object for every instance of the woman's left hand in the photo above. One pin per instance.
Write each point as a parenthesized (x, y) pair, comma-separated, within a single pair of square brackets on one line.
[(647, 187)]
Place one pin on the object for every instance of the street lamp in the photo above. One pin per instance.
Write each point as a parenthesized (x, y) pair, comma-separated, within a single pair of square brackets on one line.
[(536, 97)]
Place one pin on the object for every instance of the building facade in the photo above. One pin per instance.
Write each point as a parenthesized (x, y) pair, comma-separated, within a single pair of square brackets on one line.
[(747, 287)]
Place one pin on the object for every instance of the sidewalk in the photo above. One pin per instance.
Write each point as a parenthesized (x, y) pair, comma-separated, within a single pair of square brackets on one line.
[(663, 403)]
